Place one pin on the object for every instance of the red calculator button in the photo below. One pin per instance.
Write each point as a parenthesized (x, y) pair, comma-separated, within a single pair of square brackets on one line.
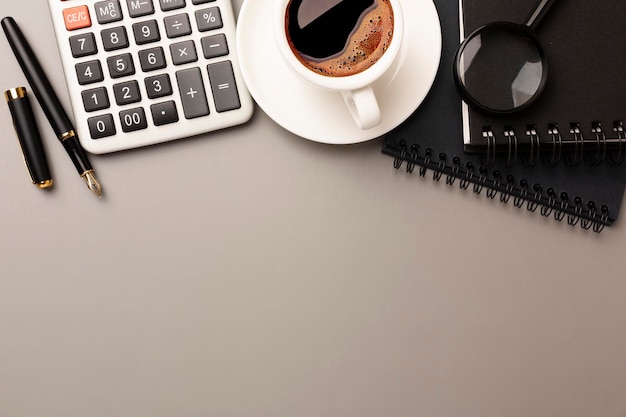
[(76, 18)]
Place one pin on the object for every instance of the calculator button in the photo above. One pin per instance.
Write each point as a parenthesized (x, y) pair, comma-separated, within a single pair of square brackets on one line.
[(183, 52), (223, 85), (95, 99), (76, 18), (158, 86), (167, 5), (215, 45), (146, 32), (101, 126), (177, 25), (83, 45), (133, 119), (201, 1), (152, 59), (108, 11), (192, 93), (126, 93), (89, 72), (209, 19), (114, 38), (137, 8), (121, 65), (164, 113)]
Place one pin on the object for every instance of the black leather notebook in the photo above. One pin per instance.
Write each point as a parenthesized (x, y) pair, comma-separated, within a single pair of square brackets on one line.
[(430, 142)]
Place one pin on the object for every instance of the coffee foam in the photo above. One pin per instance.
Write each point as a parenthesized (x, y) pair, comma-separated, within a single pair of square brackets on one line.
[(364, 47)]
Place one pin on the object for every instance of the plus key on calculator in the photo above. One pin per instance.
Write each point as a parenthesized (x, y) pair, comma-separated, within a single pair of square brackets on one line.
[(141, 72)]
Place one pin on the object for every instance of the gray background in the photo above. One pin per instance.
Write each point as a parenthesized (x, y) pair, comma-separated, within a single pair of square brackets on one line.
[(253, 273)]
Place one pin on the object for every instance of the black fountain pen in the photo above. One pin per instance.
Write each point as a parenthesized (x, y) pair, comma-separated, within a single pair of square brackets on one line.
[(50, 103)]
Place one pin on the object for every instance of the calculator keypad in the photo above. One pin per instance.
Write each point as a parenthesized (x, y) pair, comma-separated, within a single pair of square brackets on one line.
[(139, 64)]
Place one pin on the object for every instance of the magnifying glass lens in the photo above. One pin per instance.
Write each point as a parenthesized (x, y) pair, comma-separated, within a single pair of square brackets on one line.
[(501, 68)]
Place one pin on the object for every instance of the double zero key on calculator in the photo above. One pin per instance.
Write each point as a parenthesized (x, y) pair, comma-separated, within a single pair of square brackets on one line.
[(152, 54)]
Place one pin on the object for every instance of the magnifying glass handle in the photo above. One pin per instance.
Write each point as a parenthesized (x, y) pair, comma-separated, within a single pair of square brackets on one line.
[(539, 11)]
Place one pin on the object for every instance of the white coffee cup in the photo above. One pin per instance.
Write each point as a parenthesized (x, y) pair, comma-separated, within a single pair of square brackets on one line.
[(356, 89)]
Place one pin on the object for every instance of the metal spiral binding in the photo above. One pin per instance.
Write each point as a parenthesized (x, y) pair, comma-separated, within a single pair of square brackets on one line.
[(397, 161), (497, 180), (546, 210), (465, 182), (424, 168), (511, 157), (508, 190), (559, 206), (560, 214), (557, 145), (579, 148), (478, 186), (437, 173), (536, 200), (456, 166), (518, 201), (593, 150), (531, 159), (490, 155), (572, 220)]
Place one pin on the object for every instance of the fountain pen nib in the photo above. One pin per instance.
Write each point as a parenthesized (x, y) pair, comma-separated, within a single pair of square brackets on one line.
[(92, 182)]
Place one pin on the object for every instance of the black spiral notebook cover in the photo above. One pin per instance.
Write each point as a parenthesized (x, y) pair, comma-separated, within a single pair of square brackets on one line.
[(430, 142), (582, 110)]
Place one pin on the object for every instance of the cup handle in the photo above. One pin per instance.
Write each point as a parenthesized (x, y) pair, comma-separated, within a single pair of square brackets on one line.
[(363, 107)]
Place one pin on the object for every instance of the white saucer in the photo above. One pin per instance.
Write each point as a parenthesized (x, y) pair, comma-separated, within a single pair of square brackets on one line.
[(322, 116)]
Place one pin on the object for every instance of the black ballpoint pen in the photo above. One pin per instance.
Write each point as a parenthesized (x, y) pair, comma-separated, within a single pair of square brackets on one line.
[(50, 103)]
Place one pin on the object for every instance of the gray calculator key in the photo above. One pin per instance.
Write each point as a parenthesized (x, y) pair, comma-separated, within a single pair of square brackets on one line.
[(137, 8), (201, 1), (209, 19), (108, 11), (192, 93), (167, 5), (133, 119), (95, 99), (164, 113), (114, 38), (158, 86), (89, 72), (152, 59), (83, 45), (223, 85), (177, 25), (214, 46), (101, 126), (146, 32), (121, 65), (126, 92), (183, 52)]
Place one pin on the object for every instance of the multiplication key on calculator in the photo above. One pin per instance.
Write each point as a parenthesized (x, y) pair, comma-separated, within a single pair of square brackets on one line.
[(141, 72)]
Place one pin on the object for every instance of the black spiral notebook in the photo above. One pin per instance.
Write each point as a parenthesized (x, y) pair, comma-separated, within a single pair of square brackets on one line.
[(582, 110), (577, 189)]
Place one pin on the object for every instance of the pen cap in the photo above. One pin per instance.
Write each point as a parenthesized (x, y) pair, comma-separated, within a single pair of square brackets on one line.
[(27, 132)]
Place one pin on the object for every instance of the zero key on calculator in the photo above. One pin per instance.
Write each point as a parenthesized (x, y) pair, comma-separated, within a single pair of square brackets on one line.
[(141, 72)]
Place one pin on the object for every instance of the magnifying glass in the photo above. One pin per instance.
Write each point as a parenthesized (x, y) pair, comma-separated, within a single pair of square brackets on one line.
[(501, 67)]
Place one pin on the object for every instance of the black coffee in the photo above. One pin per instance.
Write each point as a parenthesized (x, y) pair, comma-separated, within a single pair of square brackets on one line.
[(339, 37)]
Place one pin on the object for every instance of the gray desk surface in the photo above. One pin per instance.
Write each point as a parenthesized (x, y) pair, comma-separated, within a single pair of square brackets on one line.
[(253, 273)]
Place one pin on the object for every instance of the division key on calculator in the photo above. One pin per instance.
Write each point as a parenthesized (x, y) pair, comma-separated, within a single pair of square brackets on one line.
[(141, 72)]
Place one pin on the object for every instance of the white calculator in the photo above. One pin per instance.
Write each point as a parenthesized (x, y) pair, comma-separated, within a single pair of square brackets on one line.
[(141, 72)]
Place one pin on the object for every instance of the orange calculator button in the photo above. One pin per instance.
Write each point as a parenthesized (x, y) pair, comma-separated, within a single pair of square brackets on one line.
[(76, 18)]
